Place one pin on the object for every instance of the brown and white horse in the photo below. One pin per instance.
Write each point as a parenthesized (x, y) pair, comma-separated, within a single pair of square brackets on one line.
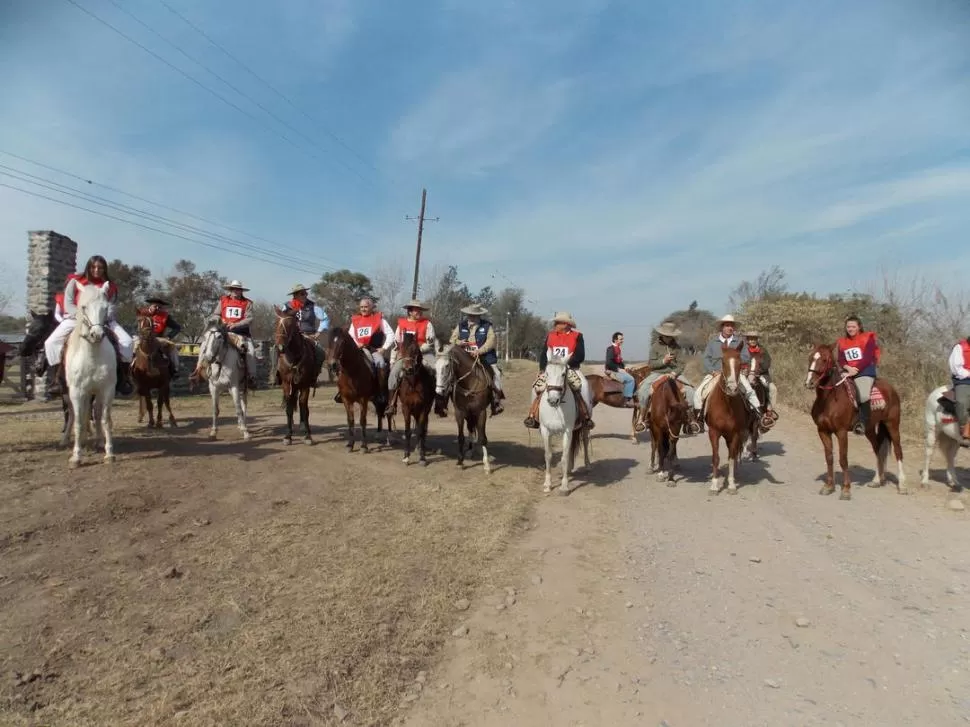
[(727, 416)]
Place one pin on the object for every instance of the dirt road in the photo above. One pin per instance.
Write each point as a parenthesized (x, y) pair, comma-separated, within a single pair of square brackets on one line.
[(640, 604)]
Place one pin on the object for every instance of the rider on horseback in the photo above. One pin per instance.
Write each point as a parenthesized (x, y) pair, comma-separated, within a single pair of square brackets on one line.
[(372, 334), (712, 369), (475, 334), (858, 356), (235, 312), (615, 366), (164, 326), (413, 324), (753, 346), (95, 273), (565, 342), (664, 353), (312, 318), (959, 362)]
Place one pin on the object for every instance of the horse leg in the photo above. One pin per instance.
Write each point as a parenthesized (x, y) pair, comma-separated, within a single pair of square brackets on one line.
[(653, 446), (141, 408), (81, 411), (168, 405), (460, 417), (107, 426), (406, 411), (423, 437), (214, 393), (714, 435), (893, 427), (586, 447), (547, 448), (290, 398), (829, 487), (950, 447), (567, 446), (349, 408), (242, 411), (68, 411), (753, 433), (158, 407), (483, 440), (305, 415), (843, 437), (363, 426), (735, 445)]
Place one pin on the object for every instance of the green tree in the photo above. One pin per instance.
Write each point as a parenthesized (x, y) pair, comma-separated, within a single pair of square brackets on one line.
[(193, 296), (339, 292), (134, 284)]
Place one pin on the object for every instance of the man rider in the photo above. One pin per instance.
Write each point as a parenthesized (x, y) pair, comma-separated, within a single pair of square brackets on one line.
[(567, 343), (476, 334)]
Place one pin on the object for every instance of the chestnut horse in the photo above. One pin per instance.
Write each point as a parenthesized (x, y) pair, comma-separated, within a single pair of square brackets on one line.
[(667, 416), (727, 416), (298, 368), (355, 383), (609, 391), (834, 412), (416, 394), (150, 372)]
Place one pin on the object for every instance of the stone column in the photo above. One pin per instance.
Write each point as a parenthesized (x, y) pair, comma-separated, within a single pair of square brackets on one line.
[(51, 257)]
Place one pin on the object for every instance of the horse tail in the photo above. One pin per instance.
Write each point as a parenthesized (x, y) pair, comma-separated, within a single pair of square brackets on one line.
[(883, 439)]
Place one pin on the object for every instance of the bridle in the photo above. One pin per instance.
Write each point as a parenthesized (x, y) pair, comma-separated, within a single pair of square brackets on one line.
[(91, 327), (827, 375)]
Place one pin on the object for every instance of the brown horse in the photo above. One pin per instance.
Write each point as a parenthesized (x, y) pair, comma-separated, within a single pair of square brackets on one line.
[(150, 371), (298, 368), (667, 416), (468, 382), (416, 394), (761, 391), (727, 416), (356, 383), (605, 390), (834, 412)]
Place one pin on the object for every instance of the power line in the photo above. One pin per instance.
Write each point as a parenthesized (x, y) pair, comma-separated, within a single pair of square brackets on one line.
[(156, 229), (266, 83), (80, 178), (196, 81)]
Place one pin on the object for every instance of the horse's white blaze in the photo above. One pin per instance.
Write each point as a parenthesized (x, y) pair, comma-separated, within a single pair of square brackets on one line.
[(732, 382), (811, 368)]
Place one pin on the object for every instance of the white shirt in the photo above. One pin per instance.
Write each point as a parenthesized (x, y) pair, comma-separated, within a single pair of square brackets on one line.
[(957, 369)]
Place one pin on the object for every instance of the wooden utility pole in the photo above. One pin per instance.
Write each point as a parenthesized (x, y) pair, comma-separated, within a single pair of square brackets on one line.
[(417, 254)]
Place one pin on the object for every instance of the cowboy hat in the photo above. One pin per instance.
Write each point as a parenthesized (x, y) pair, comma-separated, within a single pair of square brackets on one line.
[(415, 304), (474, 310), (751, 334), (235, 284), (298, 288), (156, 300), (564, 317), (727, 319), (668, 328)]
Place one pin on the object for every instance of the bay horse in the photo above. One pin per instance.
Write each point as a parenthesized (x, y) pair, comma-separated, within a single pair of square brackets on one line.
[(559, 416), (298, 368), (416, 394), (667, 416), (727, 416), (149, 369), (468, 382), (90, 368), (221, 364), (755, 427), (355, 383), (834, 412), (606, 390)]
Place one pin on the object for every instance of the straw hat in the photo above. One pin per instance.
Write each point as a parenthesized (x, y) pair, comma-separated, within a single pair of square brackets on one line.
[(668, 328), (156, 300), (413, 303), (751, 334), (564, 317), (474, 310), (235, 284), (727, 319), (298, 288)]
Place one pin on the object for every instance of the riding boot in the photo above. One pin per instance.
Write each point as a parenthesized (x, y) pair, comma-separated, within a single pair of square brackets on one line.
[(585, 414), (497, 407), (629, 403), (532, 421), (40, 366), (391, 408), (123, 386), (336, 398), (865, 410), (55, 388)]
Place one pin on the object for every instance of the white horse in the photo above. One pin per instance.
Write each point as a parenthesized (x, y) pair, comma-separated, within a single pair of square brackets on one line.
[(221, 365), (940, 428), (557, 416), (90, 369)]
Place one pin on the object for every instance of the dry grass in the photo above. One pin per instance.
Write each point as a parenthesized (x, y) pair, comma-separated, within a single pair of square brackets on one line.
[(303, 578)]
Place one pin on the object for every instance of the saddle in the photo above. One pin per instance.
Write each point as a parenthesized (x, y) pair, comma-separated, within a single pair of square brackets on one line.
[(611, 385), (655, 386)]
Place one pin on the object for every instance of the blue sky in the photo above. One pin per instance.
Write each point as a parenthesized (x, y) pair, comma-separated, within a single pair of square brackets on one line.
[(616, 159)]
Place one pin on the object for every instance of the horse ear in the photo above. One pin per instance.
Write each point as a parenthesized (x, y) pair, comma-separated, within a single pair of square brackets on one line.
[(277, 310)]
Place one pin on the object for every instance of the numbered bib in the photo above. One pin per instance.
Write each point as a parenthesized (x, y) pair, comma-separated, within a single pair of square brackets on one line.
[(234, 312), (364, 331), (560, 351), (853, 354)]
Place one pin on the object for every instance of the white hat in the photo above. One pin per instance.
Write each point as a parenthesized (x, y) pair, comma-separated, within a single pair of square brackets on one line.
[(474, 310), (668, 328), (564, 317), (751, 334), (727, 319), (299, 287), (414, 303), (236, 284)]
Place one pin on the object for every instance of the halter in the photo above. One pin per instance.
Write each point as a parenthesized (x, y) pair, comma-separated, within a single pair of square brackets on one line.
[(476, 365), (221, 349), (90, 328), (292, 340), (822, 376)]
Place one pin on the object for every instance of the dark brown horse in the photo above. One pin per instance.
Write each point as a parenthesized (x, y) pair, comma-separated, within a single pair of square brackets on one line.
[(667, 416), (150, 372), (356, 382), (416, 395), (753, 371), (298, 367), (727, 416), (468, 382), (834, 412), (605, 390)]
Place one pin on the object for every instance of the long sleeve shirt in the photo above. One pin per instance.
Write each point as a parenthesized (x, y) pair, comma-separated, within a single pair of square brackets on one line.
[(958, 369), (385, 329), (658, 352), (713, 356)]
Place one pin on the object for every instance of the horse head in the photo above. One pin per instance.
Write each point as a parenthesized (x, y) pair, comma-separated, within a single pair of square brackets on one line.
[(213, 342), (555, 380), (39, 327), (731, 367), (285, 329), (821, 364), (410, 354), (444, 370), (93, 309)]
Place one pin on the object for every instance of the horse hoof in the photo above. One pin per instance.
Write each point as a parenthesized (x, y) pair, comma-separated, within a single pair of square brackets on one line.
[(902, 490), (826, 491), (109, 459), (73, 463), (424, 463), (307, 440), (671, 483), (406, 460), (732, 490), (846, 495), (212, 436), (547, 489), (875, 483), (563, 491), (365, 449), (246, 436), (287, 441), (661, 477), (172, 424)]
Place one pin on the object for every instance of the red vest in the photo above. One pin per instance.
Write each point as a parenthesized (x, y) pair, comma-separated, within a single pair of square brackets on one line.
[(419, 328), (562, 344), (965, 347), (853, 348), (82, 280), (160, 322), (232, 310), (618, 356), (59, 303), (366, 326)]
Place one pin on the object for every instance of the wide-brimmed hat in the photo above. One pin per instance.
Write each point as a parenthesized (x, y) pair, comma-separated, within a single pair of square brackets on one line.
[(751, 334), (727, 319), (668, 328), (474, 310), (415, 304), (564, 317), (156, 300), (235, 284), (298, 288)]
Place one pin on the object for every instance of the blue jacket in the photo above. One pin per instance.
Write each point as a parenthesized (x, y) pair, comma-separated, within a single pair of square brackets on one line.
[(481, 333), (312, 317)]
